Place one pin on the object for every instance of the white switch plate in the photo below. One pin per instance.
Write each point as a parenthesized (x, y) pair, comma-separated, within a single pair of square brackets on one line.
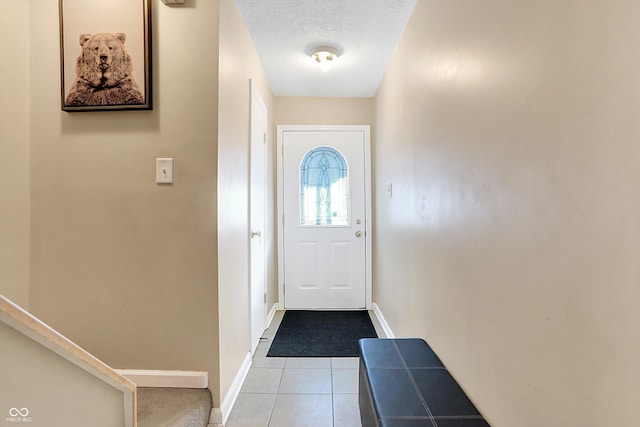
[(164, 171)]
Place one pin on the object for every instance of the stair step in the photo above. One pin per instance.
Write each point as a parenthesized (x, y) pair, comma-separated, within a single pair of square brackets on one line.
[(173, 407)]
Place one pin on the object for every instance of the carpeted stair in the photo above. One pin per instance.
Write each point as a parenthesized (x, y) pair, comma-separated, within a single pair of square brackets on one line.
[(173, 407)]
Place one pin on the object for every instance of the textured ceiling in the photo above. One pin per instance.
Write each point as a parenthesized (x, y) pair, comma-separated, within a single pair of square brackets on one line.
[(365, 31)]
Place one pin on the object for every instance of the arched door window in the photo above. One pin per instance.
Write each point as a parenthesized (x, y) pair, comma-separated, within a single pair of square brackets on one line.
[(324, 188)]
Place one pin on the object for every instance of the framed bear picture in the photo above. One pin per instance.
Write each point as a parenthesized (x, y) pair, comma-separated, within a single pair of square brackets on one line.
[(105, 55)]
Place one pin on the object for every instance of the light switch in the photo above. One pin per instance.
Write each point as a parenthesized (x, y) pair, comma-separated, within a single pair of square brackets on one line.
[(164, 171)]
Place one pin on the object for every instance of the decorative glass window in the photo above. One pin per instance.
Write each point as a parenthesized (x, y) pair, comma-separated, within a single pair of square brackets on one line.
[(324, 188)]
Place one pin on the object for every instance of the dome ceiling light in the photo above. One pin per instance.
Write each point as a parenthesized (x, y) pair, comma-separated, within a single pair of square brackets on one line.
[(325, 56)]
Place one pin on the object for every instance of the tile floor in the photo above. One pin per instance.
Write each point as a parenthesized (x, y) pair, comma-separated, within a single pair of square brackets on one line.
[(298, 392)]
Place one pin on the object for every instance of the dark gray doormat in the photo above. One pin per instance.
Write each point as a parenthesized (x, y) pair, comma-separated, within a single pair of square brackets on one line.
[(305, 333)]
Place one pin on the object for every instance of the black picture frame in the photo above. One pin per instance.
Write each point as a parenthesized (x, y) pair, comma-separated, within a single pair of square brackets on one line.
[(105, 55)]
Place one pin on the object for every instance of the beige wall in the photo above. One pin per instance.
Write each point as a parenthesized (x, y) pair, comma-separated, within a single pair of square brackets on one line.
[(55, 392), (14, 151), (323, 111), (510, 133), (238, 64), (120, 265), (510, 242)]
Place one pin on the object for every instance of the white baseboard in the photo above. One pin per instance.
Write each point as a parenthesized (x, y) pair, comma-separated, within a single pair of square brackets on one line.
[(173, 379), (383, 321), (221, 415), (215, 420), (272, 313)]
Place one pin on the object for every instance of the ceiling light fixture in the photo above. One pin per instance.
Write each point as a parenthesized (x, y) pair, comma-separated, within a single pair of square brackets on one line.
[(325, 56)]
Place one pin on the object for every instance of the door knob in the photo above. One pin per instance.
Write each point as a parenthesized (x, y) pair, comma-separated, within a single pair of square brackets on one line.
[(358, 233), (255, 234)]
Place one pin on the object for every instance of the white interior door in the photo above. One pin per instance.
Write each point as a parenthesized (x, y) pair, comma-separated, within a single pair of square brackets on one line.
[(324, 203), (257, 218)]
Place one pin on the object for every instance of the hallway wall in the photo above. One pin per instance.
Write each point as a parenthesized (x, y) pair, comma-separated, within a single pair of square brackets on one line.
[(509, 131), (14, 151), (121, 265), (239, 64), (323, 111)]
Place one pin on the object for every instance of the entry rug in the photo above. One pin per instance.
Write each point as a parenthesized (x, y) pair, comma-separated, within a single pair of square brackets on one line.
[(321, 333)]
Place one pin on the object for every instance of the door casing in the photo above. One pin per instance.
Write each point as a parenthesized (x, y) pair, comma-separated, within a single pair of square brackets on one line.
[(257, 212), (281, 129)]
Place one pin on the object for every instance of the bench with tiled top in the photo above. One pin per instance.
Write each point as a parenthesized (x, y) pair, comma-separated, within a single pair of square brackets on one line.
[(403, 383)]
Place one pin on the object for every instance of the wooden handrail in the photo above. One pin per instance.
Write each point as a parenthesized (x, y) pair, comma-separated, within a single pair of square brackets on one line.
[(29, 325)]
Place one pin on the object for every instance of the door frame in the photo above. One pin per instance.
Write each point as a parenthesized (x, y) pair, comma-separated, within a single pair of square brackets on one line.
[(257, 102), (366, 129)]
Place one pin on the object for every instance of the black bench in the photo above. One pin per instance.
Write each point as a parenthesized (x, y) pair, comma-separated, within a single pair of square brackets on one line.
[(403, 383)]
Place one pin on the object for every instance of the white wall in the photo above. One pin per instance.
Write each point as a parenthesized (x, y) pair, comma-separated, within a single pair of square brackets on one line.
[(14, 151), (510, 133)]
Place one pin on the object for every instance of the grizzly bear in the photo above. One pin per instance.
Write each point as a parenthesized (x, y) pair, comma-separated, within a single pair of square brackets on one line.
[(104, 73)]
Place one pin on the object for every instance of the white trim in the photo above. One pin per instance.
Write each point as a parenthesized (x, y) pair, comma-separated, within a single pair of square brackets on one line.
[(173, 379), (215, 419), (255, 96), (366, 129), (234, 390), (383, 321), (272, 313), (368, 225), (130, 408), (280, 214)]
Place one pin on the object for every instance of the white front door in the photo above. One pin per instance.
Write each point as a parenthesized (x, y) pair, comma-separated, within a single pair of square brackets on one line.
[(324, 203), (257, 218)]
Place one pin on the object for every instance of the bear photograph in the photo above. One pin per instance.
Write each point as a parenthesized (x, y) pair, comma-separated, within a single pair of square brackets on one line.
[(105, 55)]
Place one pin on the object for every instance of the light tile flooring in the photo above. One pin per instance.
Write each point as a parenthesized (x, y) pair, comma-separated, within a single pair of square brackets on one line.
[(298, 392)]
